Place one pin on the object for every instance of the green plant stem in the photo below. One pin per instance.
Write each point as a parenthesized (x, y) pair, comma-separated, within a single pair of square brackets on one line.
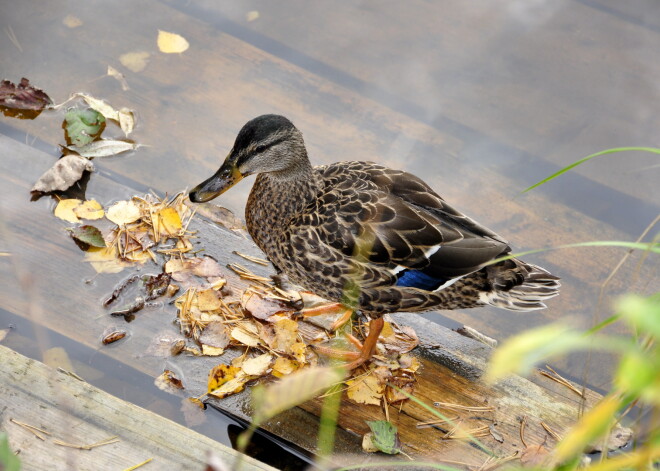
[(328, 423), (398, 465), (652, 150)]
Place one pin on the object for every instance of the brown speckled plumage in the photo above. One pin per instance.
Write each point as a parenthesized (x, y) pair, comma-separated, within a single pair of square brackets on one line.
[(358, 232)]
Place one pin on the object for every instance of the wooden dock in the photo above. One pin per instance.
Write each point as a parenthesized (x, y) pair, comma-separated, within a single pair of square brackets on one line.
[(437, 119)]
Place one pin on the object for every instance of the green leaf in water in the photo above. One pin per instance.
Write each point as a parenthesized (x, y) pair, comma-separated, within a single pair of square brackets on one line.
[(589, 157), (87, 234), (8, 460), (83, 126), (385, 436)]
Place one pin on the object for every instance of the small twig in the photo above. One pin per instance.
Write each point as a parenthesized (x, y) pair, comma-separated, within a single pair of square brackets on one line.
[(561, 380), (435, 422), (522, 431), (107, 441), (250, 258), (138, 465), (31, 428), (551, 432), (448, 405)]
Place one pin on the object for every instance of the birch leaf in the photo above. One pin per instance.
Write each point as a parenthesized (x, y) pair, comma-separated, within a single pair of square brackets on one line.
[(123, 212), (171, 43), (64, 210)]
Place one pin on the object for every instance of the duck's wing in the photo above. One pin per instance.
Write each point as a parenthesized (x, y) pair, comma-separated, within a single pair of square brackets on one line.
[(394, 220)]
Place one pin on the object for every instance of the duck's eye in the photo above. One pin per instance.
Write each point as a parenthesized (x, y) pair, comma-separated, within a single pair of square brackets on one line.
[(260, 149)]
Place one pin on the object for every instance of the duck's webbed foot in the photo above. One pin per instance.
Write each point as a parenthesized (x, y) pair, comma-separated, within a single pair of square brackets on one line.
[(366, 350)]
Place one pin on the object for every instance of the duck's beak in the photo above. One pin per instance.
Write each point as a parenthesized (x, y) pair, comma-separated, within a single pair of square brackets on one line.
[(225, 178)]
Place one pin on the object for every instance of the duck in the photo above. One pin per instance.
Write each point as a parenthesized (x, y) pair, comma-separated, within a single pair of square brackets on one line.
[(369, 238)]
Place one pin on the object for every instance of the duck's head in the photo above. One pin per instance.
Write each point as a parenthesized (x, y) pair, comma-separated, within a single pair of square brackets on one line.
[(269, 143)]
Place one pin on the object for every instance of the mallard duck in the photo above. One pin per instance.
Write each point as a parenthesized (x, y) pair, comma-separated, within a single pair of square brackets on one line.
[(372, 238)]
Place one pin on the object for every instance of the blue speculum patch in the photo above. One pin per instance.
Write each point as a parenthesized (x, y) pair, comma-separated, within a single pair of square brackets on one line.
[(418, 279)]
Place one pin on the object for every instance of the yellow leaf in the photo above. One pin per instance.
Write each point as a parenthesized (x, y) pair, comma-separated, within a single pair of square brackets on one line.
[(299, 351), (210, 351), (171, 43), (366, 390), (258, 365), (286, 334), (169, 221), (252, 15), (208, 300), (105, 260), (220, 374), (246, 334), (134, 61), (283, 366), (123, 212), (65, 210), (89, 210), (233, 386), (71, 21)]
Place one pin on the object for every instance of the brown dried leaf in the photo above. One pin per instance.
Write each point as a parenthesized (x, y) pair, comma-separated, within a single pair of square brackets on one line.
[(168, 381), (64, 173), (23, 96), (214, 335), (264, 308), (534, 456)]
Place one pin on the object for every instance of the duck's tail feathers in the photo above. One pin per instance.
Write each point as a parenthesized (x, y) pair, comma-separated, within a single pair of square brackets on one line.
[(519, 286)]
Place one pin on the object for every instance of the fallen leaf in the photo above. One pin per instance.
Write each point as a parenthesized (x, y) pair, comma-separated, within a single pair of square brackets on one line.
[(365, 390), (90, 209), (258, 365), (23, 97), (171, 43), (114, 73), (123, 212), (283, 366), (71, 21), (83, 126), (105, 260), (113, 335), (212, 351), (245, 334), (398, 339), (104, 148), (167, 220), (264, 308), (220, 374), (64, 210), (219, 215), (368, 443), (286, 334), (208, 300), (385, 436), (233, 386), (168, 381), (126, 120), (64, 173), (135, 61), (215, 335), (251, 15), (86, 234), (98, 105), (193, 411)]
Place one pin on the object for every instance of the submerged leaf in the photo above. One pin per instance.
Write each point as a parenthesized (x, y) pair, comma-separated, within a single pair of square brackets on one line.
[(64, 173), (23, 96), (90, 209), (171, 43), (385, 436), (89, 235), (83, 126), (65, 210), (135, 61)]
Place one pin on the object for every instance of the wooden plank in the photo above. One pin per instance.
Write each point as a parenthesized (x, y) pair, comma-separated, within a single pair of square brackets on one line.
[(451, 365), (75, 412)]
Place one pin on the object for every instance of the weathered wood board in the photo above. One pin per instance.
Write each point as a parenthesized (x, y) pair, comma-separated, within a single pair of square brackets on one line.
[(74, 412), (451, 364)]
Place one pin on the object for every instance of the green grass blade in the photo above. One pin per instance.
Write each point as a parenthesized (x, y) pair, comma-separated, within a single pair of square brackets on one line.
[(653, 150), (398, 465), (648, 247)]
